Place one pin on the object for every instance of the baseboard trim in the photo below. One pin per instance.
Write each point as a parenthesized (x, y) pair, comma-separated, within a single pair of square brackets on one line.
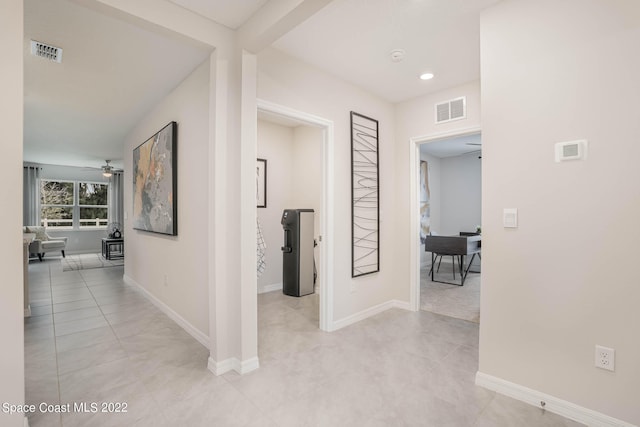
[(184, 324), (552, 404), (233, 364), (364, 314), (404, 305), (263, 289)]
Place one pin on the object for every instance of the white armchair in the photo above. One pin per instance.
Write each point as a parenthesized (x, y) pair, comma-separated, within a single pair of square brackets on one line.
[(44, 243)]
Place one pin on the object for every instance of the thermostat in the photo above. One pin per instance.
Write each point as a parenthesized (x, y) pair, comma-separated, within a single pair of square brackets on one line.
[(571, 150)]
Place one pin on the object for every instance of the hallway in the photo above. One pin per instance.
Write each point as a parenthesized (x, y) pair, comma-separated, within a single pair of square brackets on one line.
[(95, 339)]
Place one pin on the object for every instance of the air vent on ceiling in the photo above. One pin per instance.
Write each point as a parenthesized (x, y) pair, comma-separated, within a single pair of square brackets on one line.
[(454, 109), (46, 51)]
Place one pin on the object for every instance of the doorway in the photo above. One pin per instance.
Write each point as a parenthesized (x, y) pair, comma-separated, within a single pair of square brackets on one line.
[(446, 202), (321, 132)]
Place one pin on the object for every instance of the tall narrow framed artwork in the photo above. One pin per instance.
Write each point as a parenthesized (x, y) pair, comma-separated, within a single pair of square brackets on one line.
[(261, 183), (155, 204), (365, 196), (425, 202)]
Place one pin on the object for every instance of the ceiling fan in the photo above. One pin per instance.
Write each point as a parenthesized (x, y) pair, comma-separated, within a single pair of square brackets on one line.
[(108, 170)]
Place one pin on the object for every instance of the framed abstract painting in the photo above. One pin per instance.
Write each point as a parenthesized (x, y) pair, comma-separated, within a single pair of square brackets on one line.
[(155, 205)]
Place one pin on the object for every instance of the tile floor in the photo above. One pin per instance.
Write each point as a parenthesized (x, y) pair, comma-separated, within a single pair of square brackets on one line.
[(94, 339), (461, 302)]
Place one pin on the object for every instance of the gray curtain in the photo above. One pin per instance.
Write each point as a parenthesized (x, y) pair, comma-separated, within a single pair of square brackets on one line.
[(31, 195), (116, 207)]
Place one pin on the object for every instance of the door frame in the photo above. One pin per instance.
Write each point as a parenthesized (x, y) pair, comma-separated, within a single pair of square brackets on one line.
[(414, 196), (326, 220)]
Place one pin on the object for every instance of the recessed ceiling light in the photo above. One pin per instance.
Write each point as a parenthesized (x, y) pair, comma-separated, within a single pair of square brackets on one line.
[(426, 76)]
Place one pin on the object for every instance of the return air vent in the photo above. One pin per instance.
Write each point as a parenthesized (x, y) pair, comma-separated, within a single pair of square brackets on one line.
[(454, 109), (46, 51)]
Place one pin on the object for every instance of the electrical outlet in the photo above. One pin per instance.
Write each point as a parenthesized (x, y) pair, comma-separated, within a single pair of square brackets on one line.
[(605, 358)]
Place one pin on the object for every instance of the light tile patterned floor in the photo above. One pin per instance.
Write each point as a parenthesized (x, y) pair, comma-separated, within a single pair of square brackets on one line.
[(94, 339)]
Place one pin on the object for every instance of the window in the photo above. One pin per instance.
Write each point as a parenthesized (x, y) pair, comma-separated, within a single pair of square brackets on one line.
[(73, 204), (56, 204), (92, 202)]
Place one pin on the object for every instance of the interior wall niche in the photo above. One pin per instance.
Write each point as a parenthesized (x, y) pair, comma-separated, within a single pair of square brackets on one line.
[(365, 196)]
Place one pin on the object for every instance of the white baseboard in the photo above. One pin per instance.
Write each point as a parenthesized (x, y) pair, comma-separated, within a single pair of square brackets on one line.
[(191, 330), (371, 311), (404, 305), (263, 289), (552, 404), (233, 364)]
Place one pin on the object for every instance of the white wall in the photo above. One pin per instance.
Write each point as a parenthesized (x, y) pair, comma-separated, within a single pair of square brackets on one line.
[(275, 144), (182, 259), (291, 83), (461, 188), (11, 308), (415, 119), (558, 284)]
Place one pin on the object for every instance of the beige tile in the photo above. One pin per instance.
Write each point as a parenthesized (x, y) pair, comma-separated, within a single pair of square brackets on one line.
[(398, 368), (80, 325), (41, 310), (74, 305), (78, 295), (85, 339), (214, 404), (39, 419), (36, 321), (96, 382), (86, 357), (81, 313)]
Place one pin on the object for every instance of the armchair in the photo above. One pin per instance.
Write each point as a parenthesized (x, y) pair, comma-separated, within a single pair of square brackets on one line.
[(44, 243)]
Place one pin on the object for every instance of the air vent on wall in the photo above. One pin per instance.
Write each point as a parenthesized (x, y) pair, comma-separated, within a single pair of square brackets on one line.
[(46, 51), (454, 109)]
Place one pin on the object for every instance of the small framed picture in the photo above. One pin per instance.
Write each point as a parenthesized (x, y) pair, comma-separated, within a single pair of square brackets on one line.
[(261, 183)]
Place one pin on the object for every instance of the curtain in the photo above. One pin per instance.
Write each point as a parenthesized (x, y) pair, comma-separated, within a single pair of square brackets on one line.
[(31, 195), (116, 198)]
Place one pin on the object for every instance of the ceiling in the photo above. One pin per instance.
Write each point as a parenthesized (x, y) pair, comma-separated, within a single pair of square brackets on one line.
[(230, 13), (79, 112), (455, 146), (352, 39)]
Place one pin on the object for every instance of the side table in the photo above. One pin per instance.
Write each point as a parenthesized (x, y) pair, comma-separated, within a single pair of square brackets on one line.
[(112, 248)]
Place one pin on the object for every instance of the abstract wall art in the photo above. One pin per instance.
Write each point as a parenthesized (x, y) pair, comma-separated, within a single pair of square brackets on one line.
[(155, 188), (425, 202), (261, 183), (365, 196)]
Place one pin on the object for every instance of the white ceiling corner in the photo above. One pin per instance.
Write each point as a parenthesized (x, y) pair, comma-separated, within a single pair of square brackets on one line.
[(230, 13)]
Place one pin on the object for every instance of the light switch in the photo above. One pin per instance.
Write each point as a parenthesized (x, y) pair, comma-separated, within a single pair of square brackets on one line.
[(510, 218)]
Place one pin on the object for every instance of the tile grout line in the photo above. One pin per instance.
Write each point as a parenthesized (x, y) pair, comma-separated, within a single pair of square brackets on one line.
[(55, 344)]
